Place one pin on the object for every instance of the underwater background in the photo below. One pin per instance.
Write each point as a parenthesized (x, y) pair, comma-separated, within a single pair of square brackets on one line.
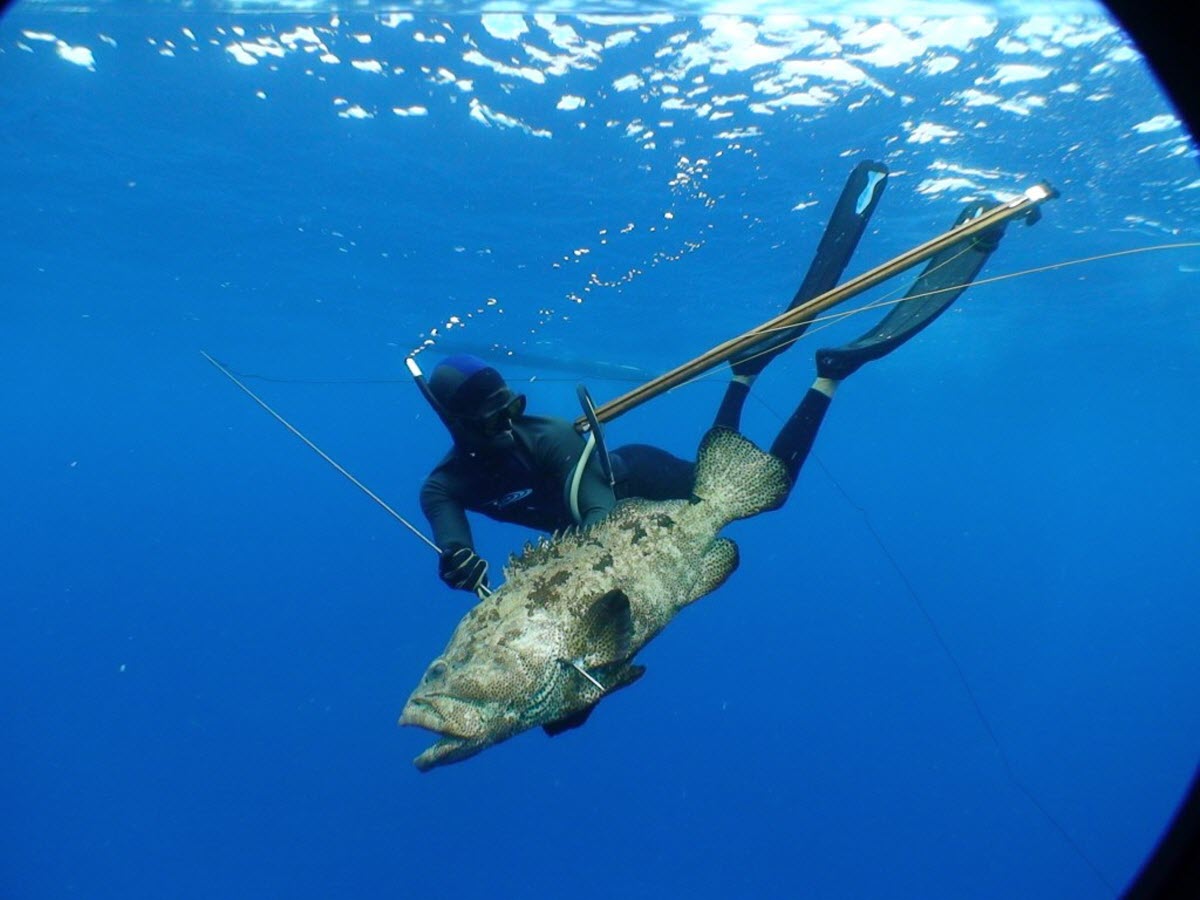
[(960, 662)]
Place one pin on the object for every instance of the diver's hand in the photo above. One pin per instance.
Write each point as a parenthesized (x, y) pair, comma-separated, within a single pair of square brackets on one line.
[(462, 569)]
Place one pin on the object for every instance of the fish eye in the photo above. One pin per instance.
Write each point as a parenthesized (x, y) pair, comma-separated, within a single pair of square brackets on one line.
[(436, 670)]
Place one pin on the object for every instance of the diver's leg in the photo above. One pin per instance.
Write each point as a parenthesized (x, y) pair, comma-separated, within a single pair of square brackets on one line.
[(795, 439), (857, 202), (729, 414), (653, 473), (946, 276)]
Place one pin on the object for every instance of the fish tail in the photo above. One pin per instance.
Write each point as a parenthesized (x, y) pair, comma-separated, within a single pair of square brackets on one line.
[(737, 477)]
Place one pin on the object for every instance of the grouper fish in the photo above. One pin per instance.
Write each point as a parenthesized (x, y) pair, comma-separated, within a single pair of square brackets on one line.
[(561, 633)]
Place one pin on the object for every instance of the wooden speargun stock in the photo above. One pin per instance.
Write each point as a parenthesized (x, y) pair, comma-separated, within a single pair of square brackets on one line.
[(1023, 205)]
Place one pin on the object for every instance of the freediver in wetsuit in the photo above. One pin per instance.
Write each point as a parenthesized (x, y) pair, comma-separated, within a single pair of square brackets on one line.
[(519, 468)]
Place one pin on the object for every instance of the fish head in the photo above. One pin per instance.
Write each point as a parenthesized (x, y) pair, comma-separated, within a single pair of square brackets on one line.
[(474, 699), (495, 679)]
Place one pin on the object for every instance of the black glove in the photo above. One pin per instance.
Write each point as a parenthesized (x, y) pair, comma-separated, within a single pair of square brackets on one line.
[(461, 568)]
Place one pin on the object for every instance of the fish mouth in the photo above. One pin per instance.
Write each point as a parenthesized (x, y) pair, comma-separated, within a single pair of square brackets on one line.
[(443, 714), (447, 750), (451, 748), (424, 714)]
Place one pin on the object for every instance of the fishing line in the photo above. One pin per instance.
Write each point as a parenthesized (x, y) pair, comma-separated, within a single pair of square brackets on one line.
[(821, 322), (351, 382), (959, 671), (356, 382), (833, 317), (890, 299), (816, 325)]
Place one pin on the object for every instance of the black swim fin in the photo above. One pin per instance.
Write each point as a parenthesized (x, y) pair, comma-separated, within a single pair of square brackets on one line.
[(859, 198), (943, 280)]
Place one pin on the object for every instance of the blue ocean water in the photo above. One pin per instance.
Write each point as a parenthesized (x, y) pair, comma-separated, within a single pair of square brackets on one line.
[(960, 662)]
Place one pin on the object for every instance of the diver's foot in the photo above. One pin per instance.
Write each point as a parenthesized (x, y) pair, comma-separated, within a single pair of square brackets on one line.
[(838, 363), (946, 276)]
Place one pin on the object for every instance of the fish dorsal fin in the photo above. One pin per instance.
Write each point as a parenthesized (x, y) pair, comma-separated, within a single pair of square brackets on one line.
[(544, 551), (607, 629)]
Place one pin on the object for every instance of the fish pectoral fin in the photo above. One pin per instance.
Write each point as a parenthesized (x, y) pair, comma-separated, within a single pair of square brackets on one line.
[(607, 630), (566, 723), (623, 676)]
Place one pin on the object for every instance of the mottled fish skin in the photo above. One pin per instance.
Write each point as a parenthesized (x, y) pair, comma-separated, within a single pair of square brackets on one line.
[(588, 599)]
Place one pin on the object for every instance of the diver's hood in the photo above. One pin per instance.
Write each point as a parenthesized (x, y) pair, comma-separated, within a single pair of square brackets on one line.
[(473, 401)]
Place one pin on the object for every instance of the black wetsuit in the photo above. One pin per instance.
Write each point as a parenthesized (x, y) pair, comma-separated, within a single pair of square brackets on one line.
[(528, 485)]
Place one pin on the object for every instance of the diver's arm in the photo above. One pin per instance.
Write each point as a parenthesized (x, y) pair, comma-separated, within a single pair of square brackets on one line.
[(458, 564), (446, 515)]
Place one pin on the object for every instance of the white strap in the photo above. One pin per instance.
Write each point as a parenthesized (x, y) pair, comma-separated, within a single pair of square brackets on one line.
[(577, 478)]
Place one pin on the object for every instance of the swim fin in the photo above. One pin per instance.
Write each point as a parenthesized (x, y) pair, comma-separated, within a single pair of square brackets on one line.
[(859, 198), (945, 277)]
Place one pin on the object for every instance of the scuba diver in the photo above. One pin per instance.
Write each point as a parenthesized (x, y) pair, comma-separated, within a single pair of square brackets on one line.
[(532, 470)]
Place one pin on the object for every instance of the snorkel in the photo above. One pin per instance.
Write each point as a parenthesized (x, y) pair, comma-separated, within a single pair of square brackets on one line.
[(423, 386), (473, 401)]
